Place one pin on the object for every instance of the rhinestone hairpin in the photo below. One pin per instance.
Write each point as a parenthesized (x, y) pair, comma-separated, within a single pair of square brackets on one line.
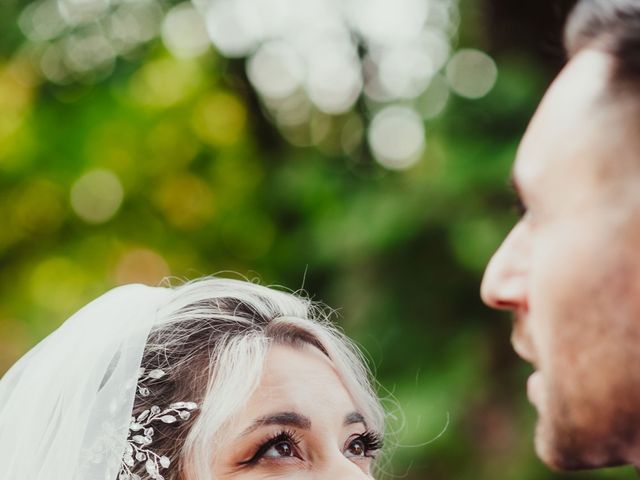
[(140, 434)]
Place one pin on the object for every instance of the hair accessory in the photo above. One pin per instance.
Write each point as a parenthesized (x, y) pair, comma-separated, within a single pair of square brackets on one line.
[(140, 434)]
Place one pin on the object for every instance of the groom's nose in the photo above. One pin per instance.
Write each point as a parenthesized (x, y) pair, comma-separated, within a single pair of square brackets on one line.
[(504, 285)]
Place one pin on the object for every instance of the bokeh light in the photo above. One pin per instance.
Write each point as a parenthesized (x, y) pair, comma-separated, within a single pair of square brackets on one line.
[(405, 72), (384, 22), (184, 32), (219, 119), (301, 57), (88, 51), (186, 201), (16, 95), (276, 70), (76, 12), (471, 73), (433, 100), (232, 26), (96, 196), (81, 39), (42, 21), (334, 80), (396, 137), (165, 82), (131, 24), (334, 52), (141, 265)]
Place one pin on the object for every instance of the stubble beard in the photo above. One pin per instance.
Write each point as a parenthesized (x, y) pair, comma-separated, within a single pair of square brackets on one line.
[(610, 440)]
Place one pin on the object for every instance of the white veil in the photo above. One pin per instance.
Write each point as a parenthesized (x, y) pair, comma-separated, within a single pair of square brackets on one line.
[(65, 406)]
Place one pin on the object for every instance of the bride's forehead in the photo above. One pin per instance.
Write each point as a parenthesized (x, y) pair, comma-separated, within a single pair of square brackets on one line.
[(300, 378), (305, 366)]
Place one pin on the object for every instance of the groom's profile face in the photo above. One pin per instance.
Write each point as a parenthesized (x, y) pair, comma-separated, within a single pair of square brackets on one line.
[(570, 268)]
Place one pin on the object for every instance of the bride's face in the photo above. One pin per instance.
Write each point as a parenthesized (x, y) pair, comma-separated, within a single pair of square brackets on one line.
[(300, 423)]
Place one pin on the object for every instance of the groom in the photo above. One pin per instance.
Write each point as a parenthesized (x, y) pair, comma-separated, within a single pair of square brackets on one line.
[(570, 268)]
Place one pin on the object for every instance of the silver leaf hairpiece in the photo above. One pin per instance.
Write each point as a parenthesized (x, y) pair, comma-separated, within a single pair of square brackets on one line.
[(140, 434)]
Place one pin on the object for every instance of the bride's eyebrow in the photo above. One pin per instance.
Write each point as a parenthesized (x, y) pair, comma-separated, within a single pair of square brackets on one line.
[(284, 419), (297, 420), (353, 418)]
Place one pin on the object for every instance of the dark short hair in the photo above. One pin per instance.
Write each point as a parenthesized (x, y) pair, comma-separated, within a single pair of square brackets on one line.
[(612, 26)]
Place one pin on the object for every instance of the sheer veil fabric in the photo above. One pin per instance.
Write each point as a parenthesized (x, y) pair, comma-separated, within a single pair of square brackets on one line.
[(65, 406)]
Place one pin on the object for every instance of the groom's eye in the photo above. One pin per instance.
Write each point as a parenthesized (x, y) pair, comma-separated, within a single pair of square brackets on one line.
[(519, 207), (517, 204)]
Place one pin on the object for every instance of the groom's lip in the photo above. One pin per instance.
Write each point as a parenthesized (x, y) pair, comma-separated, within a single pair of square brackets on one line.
[(522, 351), (534, 388)]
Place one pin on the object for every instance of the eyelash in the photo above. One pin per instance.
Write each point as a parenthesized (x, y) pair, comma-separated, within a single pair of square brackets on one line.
[(371, 440), (284, 436)]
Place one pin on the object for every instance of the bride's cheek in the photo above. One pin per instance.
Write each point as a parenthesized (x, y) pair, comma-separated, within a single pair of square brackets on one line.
[(280, 464), (364, 463)]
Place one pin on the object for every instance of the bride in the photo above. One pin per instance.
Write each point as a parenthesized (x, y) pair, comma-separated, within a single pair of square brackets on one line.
[(215, 379)]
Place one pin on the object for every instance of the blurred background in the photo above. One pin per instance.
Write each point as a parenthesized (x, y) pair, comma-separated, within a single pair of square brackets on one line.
[(358, 149)]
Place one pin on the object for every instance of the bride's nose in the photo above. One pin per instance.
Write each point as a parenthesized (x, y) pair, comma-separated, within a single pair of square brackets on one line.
[(341, 468)]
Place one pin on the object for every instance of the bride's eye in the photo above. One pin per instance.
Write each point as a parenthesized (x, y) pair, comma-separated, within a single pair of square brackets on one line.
[(282, 445), (282, 449), (357, 448), (364, 445)]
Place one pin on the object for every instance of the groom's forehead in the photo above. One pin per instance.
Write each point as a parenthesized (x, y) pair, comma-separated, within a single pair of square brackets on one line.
[(563, 122)]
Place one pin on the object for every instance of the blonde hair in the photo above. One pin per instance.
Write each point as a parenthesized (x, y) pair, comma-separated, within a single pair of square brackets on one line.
[(212, 340)]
